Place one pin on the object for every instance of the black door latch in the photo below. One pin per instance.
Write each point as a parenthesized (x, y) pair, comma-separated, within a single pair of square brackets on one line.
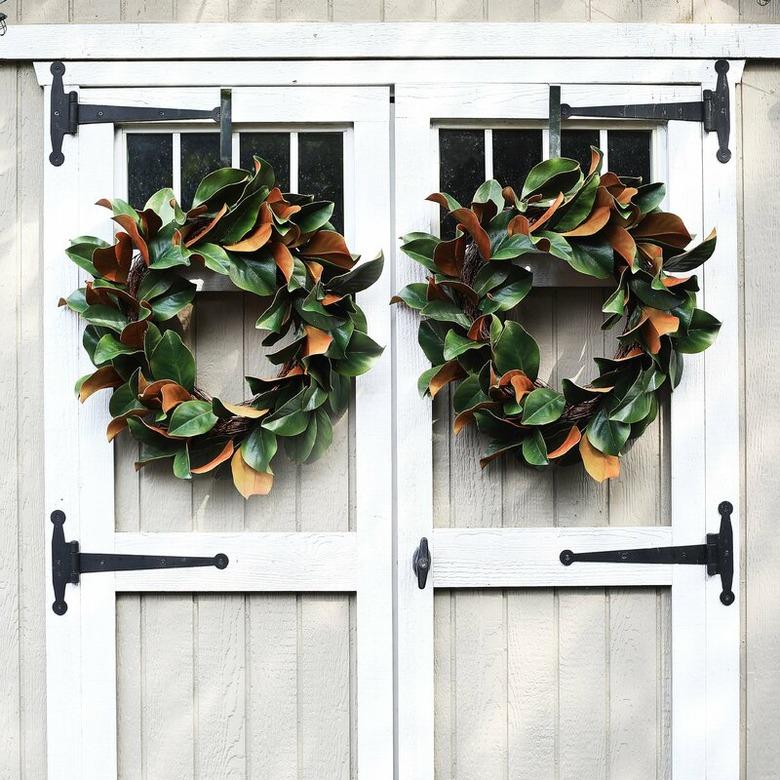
[(421, 563), (68, 562), (717, 554)]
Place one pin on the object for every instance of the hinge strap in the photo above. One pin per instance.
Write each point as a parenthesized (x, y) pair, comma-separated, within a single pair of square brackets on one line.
[(713, 111), (67, 114), (68, 563)]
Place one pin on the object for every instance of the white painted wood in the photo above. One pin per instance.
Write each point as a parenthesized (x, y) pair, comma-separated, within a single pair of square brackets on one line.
[(374, 413), (343, 41), (63, 645), (179, 628), (272, 561), (374, 72), (528, 557), (722, 438)]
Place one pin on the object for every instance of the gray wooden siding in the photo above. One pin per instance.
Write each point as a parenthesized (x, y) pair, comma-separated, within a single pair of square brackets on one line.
[(22, 673), (552, 682)]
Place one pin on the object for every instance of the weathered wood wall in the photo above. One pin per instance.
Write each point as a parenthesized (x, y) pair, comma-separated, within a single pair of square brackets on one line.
[(22, 677)]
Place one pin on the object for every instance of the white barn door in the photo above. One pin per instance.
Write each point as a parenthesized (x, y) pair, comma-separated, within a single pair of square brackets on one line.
[(509, 663), (280, 665)]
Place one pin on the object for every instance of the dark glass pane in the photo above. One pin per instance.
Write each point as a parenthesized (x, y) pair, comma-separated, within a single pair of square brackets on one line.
[(321, 170), (515, 152), (461, 167), (629, 153), (273, 147), (199, 156), (576, 145), (149, 165)]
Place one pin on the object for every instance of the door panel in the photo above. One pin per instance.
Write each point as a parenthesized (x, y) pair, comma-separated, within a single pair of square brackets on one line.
[(254, 672), (561, 679)]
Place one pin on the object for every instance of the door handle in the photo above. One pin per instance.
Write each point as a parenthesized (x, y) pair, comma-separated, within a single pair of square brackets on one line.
[(421, 563)]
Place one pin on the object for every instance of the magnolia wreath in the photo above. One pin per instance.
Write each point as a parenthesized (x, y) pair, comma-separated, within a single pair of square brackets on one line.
[(602, 225), (280, 247)]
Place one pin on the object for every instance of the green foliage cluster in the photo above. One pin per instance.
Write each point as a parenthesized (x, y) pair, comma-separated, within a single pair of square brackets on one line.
[(279, 247), (602, 226)]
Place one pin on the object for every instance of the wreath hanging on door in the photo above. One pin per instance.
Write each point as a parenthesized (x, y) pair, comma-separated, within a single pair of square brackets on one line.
[(603, 226), (280, 247)]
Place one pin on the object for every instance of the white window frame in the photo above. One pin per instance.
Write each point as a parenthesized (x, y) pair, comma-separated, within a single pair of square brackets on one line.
[(106, 55)]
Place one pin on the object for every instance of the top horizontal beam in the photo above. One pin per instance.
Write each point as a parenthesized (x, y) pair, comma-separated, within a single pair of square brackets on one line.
[(405, 40)]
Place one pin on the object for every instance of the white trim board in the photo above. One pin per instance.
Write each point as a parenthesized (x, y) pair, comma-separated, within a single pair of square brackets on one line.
[(428, 40)]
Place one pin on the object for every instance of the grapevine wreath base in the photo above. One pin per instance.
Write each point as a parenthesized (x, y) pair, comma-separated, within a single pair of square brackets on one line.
[(602, 225), (280, 247)]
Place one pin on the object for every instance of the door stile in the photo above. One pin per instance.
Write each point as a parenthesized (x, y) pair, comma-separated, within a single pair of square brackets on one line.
[(374, 455), (414, 464), (81, 647), (721, 296), (61, 446), (688, 500)]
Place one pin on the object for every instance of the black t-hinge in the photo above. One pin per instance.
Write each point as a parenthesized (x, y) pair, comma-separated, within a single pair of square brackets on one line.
[(67, 114), (68, 563), (712, 111), (717, 554)]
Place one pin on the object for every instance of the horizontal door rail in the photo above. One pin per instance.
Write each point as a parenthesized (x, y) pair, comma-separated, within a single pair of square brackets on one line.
[(529, 557), (265, 561)]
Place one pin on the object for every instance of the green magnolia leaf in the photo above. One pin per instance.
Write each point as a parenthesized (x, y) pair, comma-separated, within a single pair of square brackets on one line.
[(420, 248), (313, 216), (455, 344), (489, 277), (515, 348), (431, 337), (579, 208), (124, 399), (77, 300), (701, 333), (298, 448), (257, 276), (214, 257), (542, 406), (172, 360), (80, 252), (616, 303), (181, 463), (513, 246), (362, 352), (324, 436), (222, 182), (657, 299), (168, 306), (489, 192), (192, 418), (414, 295), (259, 448), (240, 219), (446, 311), (338, 400), (509, 295), (534, 449), (108, 348), (548, 178), (359, 278), (105, 317), (607, 436), (593, 259), (693, 258), (649, 197), (163, 203), (287, 425), (468, 394)]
